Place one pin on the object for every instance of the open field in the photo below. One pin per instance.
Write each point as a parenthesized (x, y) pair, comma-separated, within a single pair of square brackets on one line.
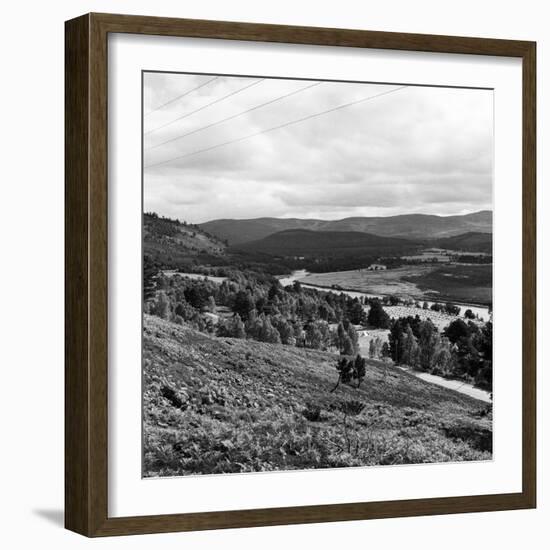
[(460, 283), (224, 405), (388, 282), (466, 283)]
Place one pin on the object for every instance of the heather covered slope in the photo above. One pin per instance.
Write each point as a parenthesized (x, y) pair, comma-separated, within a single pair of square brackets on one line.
[(222, 405)]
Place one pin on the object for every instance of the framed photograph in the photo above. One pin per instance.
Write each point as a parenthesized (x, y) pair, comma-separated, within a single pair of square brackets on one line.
[(300, 275)]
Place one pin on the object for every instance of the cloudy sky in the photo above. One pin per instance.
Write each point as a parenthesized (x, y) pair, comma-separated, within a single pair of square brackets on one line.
[(380, 150)]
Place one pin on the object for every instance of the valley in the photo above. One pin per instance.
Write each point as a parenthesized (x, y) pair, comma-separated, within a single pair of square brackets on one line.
[(313, 349)]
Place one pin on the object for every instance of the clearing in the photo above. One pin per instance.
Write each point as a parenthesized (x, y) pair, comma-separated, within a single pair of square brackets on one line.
[(463, 283), (390, 282)]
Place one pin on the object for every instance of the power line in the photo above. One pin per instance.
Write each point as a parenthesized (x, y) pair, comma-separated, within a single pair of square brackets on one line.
[(290, 123), (182, 95), (205, 106), (234, 116)]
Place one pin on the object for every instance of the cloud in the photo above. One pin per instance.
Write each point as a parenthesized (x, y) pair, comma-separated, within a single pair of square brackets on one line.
[(416, 149)]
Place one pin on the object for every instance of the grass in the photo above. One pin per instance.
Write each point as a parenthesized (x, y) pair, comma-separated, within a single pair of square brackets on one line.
[(463, 283), (222, 405), (385, 282)]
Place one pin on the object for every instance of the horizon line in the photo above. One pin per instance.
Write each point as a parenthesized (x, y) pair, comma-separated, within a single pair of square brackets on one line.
[(325, 220)]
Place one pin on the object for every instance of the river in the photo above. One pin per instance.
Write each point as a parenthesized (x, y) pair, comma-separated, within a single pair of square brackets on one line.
[(480, 311)]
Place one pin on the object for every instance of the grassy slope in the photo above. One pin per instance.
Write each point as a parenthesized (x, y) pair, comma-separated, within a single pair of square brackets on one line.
[(214, 405)]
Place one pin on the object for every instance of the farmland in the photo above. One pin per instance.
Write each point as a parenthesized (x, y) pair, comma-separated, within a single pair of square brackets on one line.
[(391, 282), (461, 283)]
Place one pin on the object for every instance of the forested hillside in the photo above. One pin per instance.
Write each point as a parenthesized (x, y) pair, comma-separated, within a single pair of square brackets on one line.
[(174, 244), (312, 244), (468, 242)]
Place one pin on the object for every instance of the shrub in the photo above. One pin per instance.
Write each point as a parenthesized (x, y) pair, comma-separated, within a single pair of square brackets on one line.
[(312, 412), (175, 398), (351, 407)]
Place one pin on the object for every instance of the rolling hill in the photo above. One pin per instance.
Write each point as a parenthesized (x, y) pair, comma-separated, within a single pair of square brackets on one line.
[(468, 242), (412, 226), (224, 405), (308, 243), (174, 244)]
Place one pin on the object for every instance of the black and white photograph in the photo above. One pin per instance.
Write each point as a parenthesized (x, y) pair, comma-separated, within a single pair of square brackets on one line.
[(317, 265)]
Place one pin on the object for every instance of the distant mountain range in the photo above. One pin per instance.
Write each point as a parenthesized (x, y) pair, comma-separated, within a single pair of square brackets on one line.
[(305, 242), (408, 226)]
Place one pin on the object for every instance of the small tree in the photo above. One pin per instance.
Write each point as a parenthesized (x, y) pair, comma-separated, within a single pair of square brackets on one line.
[(347, 345), (456, 330), (359, 369), (443, 359), (375, 348), (313, 336), (469, 314), (285, 330), (345, 372), (353, 336), (377, 317), (274, 290), (232, 328), (211, 304), (238, 330), (429, 343), (372, 350), (150, 272), (350, 369), (244, 304), (162, 306), (268, 333), (451, 309), (357, 313), (410, 351), (351, 408)]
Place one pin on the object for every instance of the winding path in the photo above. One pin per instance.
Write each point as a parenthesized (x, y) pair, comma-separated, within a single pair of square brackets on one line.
[(455, 385)]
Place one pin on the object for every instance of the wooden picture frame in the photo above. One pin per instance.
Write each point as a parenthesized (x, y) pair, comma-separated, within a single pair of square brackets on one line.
[(86, 283)]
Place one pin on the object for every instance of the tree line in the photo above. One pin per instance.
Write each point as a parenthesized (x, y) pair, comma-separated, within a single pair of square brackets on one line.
[(260, 309), (463, 350)]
